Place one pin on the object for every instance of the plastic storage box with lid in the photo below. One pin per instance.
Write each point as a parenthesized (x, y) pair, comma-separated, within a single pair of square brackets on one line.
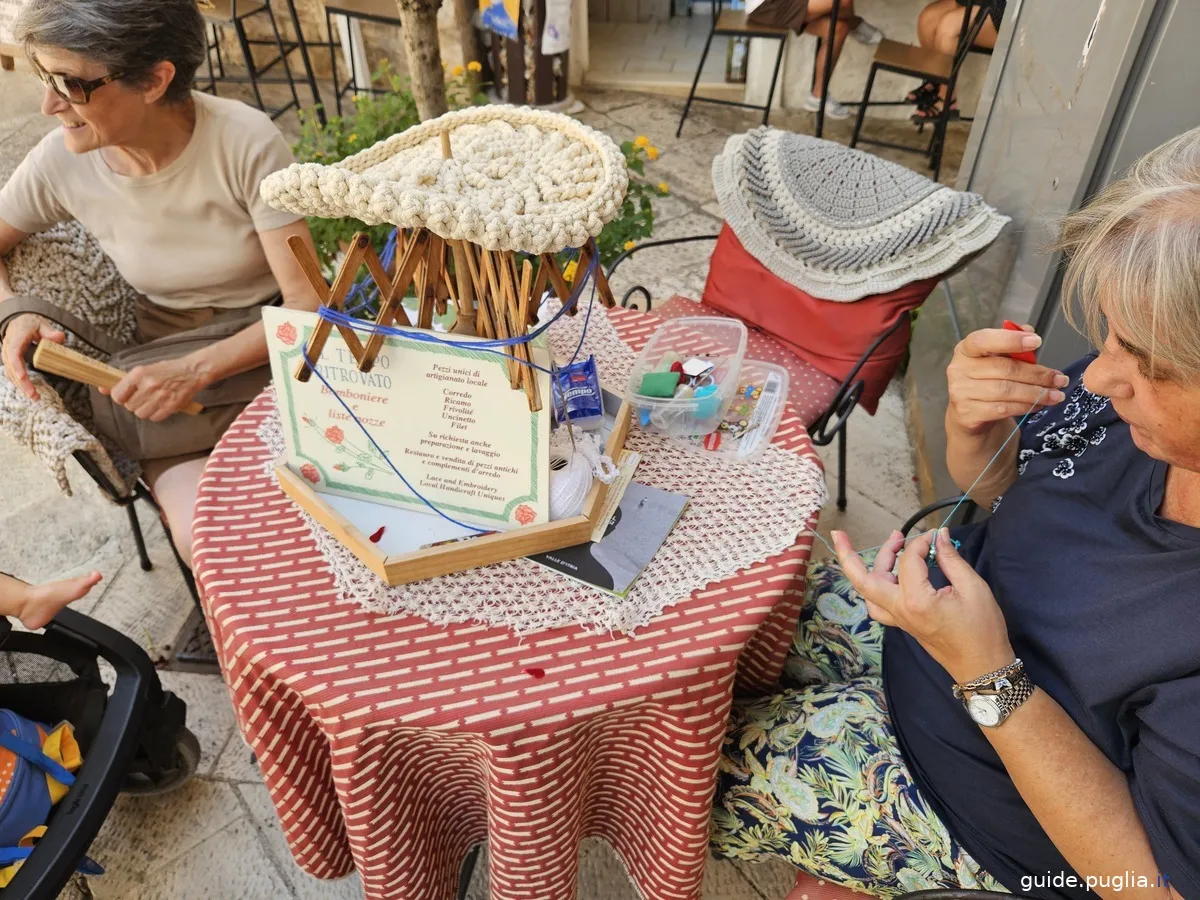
[(694, 406), (752, 417)]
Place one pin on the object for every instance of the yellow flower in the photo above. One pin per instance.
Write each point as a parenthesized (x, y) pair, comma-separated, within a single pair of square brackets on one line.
[(569, 272), (662, 188), (641, 141), (457, 71), (353, 138), (474, 66), (652, 153), (629, 245)]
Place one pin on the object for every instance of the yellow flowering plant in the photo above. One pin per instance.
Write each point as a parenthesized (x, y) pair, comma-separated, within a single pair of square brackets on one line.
[(636, 220), (368, 119)]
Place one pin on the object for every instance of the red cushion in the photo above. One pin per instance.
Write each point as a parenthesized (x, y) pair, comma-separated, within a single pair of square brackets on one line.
[(809, 389), (829, 335)]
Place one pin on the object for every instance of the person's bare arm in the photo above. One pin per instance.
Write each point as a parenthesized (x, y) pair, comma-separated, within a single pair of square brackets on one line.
[(988, 391), (36, 604), (160, 390), (9, 238)]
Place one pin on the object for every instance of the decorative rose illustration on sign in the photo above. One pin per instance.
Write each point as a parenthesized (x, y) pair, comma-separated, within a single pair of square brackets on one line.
[(309, 471), (524, 514), (334, 435), (286, 333)]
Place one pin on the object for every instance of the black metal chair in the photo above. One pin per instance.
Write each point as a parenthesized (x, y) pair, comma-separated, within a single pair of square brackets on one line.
[(732, 23), (382, 12), (968, 505), (930, 66), (832, 422), (220, 14)]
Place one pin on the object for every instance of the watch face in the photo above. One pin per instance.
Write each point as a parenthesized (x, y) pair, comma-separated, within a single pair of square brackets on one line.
[(984, 710)]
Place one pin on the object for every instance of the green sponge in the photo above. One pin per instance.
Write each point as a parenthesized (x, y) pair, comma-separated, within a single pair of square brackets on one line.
[(659, 384)]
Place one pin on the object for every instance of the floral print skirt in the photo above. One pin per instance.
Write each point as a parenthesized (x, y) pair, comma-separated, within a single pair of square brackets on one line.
[(814, 774)]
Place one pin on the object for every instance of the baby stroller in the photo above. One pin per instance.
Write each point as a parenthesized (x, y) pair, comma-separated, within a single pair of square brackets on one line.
[(131, 733)]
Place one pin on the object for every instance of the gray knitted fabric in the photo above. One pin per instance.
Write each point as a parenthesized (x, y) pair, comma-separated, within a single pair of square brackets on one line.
[(842, 224), (66, 266)]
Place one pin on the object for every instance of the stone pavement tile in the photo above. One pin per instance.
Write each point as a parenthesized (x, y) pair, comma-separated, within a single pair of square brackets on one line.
[(713, 208), (74, 532), (209, 712), (150, 607), (607, 101), (881, 464), (670, 206), (143, 834), (654, 264), (235, 763), (772, 877), (691, 175), (231, 864), (866, 522), (108, 560), (658, 118), (304, 886)]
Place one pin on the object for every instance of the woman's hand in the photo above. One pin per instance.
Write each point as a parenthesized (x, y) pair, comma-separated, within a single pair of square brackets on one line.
[(961, 625), (987, 386), (23, 332), (161, 389)]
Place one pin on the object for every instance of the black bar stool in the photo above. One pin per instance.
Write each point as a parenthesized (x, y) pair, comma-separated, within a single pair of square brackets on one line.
[(220, 14), (380, 11), (732, 23)]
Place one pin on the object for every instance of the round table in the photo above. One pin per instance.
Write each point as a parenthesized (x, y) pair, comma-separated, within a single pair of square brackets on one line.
[(391, 746)]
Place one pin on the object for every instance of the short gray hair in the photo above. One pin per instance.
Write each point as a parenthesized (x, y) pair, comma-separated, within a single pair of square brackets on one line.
[(1134, 250), (128, 36)]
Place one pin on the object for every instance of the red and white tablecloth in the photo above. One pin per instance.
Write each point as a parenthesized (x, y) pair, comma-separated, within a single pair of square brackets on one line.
[(392, 745)]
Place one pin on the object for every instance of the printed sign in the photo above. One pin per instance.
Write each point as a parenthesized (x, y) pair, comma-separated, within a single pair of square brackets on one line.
[(446, 417)]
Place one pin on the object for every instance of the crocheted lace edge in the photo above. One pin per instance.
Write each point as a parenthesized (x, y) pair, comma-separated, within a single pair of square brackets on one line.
[(340, 190), (934, 258)]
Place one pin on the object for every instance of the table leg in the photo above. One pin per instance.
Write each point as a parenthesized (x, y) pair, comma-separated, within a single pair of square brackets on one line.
[(7, 63), (308, 69), (833, 17)]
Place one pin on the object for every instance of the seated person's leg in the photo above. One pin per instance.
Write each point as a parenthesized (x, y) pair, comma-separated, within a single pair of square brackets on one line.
[(820, 24), (175, 483), (815, 776), (930, 17), (835, 641)]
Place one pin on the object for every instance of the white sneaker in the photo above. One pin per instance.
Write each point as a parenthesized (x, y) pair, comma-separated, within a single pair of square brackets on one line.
[(833, 109), (866, 33)]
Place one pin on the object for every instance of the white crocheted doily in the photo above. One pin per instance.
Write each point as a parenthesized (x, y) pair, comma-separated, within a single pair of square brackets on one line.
[(739, 515), (519, 179)]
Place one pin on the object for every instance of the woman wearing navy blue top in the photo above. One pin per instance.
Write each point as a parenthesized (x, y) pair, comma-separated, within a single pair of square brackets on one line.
[(1039, 714)]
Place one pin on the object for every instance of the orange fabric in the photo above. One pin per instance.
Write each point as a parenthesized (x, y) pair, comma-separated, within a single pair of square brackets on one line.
[(831, 336)]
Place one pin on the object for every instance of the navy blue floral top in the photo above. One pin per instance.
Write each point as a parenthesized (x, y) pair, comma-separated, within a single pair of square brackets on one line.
[(1102, 600)]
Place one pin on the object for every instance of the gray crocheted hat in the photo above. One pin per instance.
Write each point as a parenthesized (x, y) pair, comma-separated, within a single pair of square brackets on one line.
[(842, 224)]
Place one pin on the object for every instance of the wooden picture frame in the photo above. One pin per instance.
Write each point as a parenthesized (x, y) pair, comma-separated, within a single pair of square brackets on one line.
[(459, 556)]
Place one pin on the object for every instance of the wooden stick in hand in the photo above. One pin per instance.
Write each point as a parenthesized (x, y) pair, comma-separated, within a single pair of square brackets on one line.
[(67, 363)]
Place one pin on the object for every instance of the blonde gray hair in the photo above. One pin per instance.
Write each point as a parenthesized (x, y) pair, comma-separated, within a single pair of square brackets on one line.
[(1133, 256)]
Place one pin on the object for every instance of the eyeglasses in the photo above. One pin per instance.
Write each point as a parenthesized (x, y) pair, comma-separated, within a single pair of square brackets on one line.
[(74, 90)]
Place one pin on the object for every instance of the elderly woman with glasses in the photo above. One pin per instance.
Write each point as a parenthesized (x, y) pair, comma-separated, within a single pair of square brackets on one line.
[(1021, 711), (166, 179)]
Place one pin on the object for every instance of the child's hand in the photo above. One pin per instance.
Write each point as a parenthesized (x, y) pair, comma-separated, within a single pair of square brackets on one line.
[(42, 602)]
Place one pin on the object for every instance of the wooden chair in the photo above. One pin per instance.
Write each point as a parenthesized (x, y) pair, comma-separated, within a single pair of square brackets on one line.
[(382, 12), (928, 65), (732, 23), (221, 14)]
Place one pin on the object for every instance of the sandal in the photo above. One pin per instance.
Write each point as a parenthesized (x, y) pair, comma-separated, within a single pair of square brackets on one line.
[(933, 112), (923, 94)]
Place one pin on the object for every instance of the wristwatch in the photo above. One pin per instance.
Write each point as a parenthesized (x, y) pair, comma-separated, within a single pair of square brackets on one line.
[(991, 699)]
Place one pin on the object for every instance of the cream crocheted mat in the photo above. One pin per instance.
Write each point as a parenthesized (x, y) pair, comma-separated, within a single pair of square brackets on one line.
[(519, 179), (738, 516)]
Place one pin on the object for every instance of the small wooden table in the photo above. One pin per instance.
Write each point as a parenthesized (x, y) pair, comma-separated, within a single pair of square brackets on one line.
[(391, 745)]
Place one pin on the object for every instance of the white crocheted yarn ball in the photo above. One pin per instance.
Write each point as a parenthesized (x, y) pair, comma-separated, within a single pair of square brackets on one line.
[(520, 179)]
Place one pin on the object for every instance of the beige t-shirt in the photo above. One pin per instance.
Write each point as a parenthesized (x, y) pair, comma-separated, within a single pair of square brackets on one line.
[(186, 236)]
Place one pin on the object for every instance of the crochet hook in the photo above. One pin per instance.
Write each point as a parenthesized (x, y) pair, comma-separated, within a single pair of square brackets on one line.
[(67, 363)]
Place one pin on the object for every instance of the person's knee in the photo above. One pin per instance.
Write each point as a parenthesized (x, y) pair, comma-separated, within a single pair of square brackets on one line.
[(945, 39)]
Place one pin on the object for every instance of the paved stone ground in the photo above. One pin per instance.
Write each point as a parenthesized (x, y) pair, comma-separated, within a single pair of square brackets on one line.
[(218, 835)]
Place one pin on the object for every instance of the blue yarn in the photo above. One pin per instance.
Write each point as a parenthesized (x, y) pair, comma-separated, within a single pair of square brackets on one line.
[(340, 318), (966, 494)]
